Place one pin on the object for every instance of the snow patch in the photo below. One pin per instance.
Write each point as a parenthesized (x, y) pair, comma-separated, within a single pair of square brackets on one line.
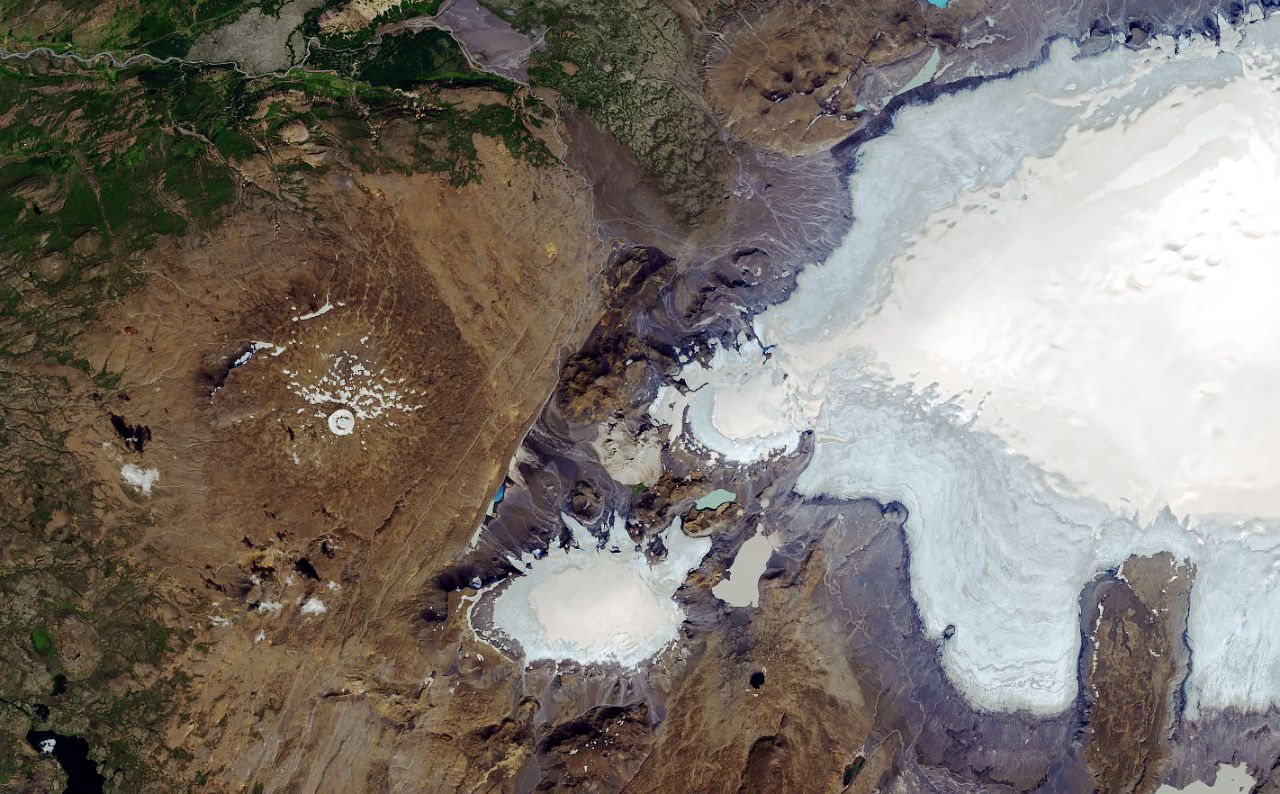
[(342, 422), (139, 478), (325, 309), (313, 606), (353, 387), (255, 347)]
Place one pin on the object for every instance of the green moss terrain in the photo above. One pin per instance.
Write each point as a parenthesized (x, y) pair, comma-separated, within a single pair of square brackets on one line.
[(84, 606), (97, 165), (404, 61), (425, 132), (626, 63)]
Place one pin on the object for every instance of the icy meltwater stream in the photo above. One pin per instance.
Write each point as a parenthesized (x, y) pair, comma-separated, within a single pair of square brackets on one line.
[(1053, 333)]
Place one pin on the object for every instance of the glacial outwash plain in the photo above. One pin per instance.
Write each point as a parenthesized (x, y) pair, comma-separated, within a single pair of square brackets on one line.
[(639, 396)]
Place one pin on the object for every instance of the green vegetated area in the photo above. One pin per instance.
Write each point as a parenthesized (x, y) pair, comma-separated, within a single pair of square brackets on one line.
[(430, 131), (404, 59), (83, 654), (626, 63), (408, 86), (429, 56), (392, 101), (160, 27)]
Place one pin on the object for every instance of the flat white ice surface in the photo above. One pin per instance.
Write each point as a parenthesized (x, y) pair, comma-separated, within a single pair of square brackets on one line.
[(1113, 308), (1230, 780), (342, 422), (596, 606), (1053, 337)]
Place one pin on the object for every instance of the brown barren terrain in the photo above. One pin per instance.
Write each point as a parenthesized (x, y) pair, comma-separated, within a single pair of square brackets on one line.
[(449, 312)]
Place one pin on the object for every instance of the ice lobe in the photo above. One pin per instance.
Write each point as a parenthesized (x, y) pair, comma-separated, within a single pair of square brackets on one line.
[(1230, 780), (597, 605), (1050, 338), (747, 414)]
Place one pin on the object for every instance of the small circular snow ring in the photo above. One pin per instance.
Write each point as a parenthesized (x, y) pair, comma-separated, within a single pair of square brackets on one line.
[(342, 422)]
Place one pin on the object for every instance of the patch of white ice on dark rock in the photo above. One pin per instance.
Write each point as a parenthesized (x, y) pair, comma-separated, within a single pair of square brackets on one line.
[(594, 606), (746, 415)]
